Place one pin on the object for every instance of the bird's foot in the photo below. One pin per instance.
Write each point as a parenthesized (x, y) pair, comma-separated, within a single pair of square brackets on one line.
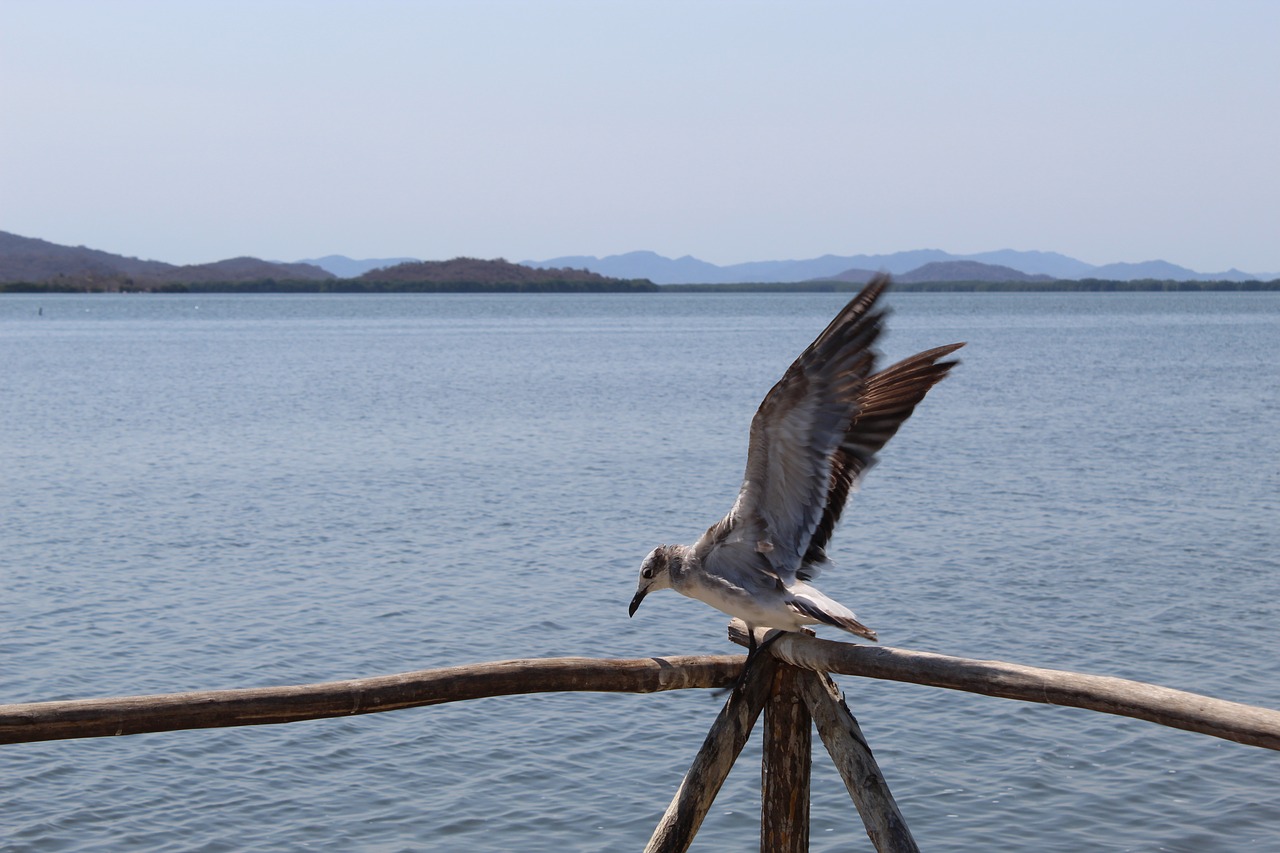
[(753, 653)]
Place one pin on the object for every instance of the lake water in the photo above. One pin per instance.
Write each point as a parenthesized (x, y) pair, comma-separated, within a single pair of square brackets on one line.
[(207, 491)]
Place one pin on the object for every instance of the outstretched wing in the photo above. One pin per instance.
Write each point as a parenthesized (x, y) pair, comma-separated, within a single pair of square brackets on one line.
[(888, 399), (795, 435), (813, 437)]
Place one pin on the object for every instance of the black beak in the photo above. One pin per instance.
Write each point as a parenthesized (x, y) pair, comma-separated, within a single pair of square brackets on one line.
[(635, 602)]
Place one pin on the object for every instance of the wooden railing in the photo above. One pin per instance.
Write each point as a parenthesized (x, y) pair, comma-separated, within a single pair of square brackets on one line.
[(790, 684)]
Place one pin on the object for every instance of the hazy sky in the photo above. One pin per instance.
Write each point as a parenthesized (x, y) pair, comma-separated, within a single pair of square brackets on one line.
[(733, 131)]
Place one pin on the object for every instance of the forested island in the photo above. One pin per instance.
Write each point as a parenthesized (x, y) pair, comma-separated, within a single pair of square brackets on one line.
[(471, 275)]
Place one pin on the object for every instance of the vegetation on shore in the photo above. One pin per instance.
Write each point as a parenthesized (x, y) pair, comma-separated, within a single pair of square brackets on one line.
[(460, 275), (472, 275), (336, 286), (29, 265)]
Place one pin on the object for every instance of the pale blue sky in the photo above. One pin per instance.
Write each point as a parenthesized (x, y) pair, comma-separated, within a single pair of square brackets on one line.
[(732, 131)]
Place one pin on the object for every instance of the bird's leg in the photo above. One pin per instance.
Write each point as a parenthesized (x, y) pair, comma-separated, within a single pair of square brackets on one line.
[(754, 650), (769, 641)]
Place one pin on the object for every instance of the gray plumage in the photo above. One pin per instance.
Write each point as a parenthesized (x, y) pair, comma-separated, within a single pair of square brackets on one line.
[(813, 438)]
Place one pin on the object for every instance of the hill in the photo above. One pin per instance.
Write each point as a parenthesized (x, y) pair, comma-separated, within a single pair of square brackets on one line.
[(853, 276), (967, 271), (249, 269), (467, 274), (943, 271), (34, 261), (28, 263), (691, 270)]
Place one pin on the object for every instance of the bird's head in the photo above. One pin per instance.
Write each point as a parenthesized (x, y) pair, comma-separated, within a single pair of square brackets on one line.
[(655, 573)]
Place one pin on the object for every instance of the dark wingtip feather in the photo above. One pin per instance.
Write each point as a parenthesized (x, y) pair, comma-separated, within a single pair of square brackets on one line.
[(889, 398)]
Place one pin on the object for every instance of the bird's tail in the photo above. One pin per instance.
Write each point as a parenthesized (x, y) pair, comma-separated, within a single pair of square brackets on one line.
[(845, 620)]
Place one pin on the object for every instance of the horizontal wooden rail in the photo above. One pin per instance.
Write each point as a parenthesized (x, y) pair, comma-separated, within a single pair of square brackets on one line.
[(1178, 709), (79, 718), (254, 706)]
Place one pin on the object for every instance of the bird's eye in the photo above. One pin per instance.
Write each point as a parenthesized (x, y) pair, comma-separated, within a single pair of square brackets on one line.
[(646, 573)]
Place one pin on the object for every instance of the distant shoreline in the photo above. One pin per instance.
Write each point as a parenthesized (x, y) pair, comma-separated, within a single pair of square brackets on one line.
[(344, 286), (1088, 285), (352, 286)]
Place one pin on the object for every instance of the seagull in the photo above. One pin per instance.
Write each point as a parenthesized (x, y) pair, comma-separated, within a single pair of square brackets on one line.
[(813, 438)]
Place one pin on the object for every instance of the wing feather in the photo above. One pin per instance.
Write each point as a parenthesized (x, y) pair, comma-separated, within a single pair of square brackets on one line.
[(887, 401), (795, 434), (814, 436)]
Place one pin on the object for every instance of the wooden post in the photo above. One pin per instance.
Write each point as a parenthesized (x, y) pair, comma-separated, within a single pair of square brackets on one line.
[(843, 738), (714, 760), (784, 771)]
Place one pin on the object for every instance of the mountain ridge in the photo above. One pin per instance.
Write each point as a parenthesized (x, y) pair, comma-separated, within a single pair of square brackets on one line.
[(943, 271), (30, 259), (1054, 265)]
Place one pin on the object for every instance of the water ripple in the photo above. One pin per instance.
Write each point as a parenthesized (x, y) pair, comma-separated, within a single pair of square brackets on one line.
[(286, 490)]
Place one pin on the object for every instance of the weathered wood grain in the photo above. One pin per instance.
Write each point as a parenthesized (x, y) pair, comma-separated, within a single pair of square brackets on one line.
[(714, 760), (129, 715), (785, 767), (843, 738), (1178, 709)]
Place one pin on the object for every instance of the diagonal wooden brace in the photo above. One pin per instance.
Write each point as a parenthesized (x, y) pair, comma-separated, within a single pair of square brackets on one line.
[(840, 732), (714, 760)]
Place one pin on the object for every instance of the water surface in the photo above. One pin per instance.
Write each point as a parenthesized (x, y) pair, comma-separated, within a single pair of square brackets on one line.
[(207, 491)]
